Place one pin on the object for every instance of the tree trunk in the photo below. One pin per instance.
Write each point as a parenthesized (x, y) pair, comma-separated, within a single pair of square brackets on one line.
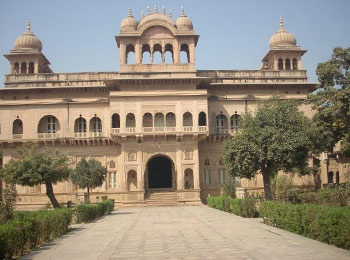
[(88, 195), (267, 185), (51, 195)]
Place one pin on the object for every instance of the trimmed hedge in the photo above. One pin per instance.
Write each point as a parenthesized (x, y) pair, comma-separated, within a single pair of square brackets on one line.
[(242, 207), (338, 196), (88, 212), (328, 224), (30, 229)]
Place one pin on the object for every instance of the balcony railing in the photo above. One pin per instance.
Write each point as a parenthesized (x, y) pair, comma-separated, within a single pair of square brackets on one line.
[(187, 128), (115, 130), (202, 128), (80, 135), (130, 129), (95, 134), (48, 135)]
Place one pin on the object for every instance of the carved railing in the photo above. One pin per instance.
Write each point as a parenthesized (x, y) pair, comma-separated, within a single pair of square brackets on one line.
[(246, 74), (46, 77)]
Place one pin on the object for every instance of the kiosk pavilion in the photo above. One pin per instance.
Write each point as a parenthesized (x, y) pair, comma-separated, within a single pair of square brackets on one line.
[(158, 127)]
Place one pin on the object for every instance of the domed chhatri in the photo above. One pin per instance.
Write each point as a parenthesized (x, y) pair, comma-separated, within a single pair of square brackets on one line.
[(282, 38), (28, 41), (183, 22), (129, 23)]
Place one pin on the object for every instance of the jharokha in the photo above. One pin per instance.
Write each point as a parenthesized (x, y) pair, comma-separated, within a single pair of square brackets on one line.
[(158, 124)]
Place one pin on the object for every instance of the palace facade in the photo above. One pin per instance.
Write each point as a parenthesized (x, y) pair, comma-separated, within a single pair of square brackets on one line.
[(158, 124)]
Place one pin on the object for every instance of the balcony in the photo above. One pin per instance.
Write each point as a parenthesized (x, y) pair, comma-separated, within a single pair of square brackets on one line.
[(159, 129)]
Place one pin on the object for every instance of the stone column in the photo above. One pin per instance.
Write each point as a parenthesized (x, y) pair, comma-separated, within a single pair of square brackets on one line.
[(180, 174), (196, 168), (123, 172)]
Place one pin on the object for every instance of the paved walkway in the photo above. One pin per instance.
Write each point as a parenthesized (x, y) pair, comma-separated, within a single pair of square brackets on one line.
[(182, 233)]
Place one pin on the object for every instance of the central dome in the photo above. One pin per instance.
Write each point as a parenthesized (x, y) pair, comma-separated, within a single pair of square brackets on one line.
[(282, 38), (28, 41)]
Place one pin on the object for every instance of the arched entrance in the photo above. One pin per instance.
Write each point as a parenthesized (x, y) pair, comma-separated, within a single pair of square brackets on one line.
[(160, 171)]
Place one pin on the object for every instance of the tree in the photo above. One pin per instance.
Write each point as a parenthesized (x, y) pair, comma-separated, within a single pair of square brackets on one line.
[(89, 174), (36, 166), (7, 204), (274, 139), (332, 100)]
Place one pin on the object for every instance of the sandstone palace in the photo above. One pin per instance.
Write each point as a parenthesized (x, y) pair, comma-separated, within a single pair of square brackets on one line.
[(158, 125)]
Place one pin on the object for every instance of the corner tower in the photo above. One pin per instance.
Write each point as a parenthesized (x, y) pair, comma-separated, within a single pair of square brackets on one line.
[(26, 56), (157, 34), (284, 54)]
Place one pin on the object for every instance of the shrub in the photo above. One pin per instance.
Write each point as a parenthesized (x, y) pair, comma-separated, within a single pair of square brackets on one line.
[(244, 207), (30, 229), (324, 223), (218, 202), (241, 207), (338, 196), (7, 203), (230, 190), (284, 189), (89, 212)]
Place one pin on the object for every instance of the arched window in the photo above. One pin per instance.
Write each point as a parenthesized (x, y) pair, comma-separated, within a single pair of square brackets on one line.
[(330, 177), (235, 121), (207, 177), (80, 125), (23, 68), (207, 162), (146, 54), (280, 64), (202, 119), (17, 128), (159, 120), (95, 124), (169, 54), (48, 124), (16, 68), (184, 54), (130, 120), (147, 120), (130, 54), (157, 54), (295, 64), (170, 120), (115, 120), (221, 124), (222, 176), (187, 119), (31, 68), (287, 64)]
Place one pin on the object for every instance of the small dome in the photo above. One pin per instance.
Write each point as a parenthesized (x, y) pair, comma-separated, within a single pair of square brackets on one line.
[(282, 38), (129, 23), (28, 41), (183, 22)]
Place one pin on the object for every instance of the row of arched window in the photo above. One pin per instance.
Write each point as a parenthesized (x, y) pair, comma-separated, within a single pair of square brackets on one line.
[(157, 54), (23, 68), (222, 122), (50, 124), (287, 64)]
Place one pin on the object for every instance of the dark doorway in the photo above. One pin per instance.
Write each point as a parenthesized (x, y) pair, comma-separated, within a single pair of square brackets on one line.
[(159, 173)]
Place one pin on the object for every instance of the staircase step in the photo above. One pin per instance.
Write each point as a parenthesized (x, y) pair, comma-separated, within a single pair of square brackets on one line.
[(161, 198)]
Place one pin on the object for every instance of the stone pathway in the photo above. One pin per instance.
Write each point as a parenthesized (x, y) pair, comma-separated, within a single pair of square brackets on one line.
[(197, 232)]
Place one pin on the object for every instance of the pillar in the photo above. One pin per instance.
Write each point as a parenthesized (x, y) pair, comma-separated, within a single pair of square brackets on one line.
[(196, 168), (180, 174)]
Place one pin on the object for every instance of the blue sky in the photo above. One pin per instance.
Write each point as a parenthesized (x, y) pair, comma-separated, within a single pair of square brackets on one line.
[(78, 35)]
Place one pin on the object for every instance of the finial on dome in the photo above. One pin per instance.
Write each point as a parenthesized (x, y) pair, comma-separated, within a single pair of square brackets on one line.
[(142, 14), (155, 9), (170, 14), (163, 9), (28, 25), (130, 12), (182, 11), (148, 10), (281, 22)]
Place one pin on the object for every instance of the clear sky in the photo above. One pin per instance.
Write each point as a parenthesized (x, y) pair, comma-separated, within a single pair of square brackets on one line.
[(78, 35)]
